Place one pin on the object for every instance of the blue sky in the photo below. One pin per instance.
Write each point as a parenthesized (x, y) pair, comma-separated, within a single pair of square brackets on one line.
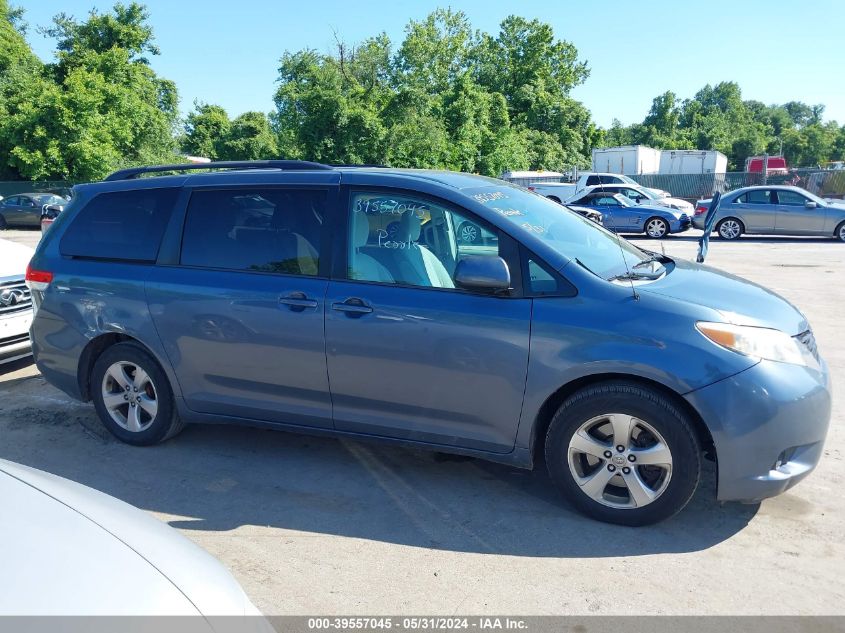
[(227, 52)]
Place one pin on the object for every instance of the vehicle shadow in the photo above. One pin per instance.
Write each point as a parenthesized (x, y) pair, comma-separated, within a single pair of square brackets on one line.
[(14, 366), (219, 478)]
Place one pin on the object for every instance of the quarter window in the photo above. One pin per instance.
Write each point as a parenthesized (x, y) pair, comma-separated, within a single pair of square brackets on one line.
[(411, 241), (123, 225), (259, 230)]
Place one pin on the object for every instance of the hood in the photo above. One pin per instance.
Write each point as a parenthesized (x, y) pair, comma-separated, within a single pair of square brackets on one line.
[(87, 539), (682, 204), (740, 301), (660, 209), (14, 258)]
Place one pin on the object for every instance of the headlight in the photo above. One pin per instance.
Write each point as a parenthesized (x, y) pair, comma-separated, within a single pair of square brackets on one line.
[(759, 342)]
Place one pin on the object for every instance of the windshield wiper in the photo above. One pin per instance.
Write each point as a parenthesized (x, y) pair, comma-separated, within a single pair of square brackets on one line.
[(637, 272)]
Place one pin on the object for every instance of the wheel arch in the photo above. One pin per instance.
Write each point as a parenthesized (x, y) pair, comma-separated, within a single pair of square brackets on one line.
[(95, 348), (662, 219), (556, 399)]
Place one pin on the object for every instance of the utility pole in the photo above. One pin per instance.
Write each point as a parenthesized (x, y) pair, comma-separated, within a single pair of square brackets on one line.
[(765, 169)]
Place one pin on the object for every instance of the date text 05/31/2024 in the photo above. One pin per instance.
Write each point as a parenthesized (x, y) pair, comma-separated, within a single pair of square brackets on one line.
[(431, 623)]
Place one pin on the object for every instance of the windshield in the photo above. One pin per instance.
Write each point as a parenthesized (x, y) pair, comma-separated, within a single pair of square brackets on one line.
[(573, 236), (50, 199), (628, 180)]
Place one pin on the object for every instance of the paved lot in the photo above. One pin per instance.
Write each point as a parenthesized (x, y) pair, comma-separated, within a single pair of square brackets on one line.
[(321, 526)]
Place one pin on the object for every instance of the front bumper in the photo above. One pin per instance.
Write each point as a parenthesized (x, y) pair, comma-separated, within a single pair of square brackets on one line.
[(14, 336), (768, 425)]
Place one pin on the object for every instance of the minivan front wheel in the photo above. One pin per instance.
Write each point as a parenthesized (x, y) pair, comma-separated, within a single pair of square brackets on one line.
[(133, 397), (623, 453)]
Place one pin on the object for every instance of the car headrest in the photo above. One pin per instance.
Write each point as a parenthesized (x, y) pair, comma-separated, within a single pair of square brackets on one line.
[(409, 227), (361, 232)]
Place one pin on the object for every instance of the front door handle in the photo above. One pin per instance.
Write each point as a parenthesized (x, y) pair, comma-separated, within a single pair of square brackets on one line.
[(353, 307), (298, 301)]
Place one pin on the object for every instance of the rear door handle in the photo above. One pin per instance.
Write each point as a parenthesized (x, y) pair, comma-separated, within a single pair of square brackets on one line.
[(298, 301), (353, 307)]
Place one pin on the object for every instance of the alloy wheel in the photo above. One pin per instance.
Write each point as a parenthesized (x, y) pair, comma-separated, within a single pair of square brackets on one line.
[(130, 396), (469, 233), (730, 229), (656, 228), (620, 461)]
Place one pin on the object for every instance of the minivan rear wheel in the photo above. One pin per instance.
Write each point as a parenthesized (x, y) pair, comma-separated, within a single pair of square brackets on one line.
[(623, 453), (133, 397)]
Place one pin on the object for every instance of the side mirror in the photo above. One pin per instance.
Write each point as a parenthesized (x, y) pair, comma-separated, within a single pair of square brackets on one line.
[(483, 272), (809, 204)]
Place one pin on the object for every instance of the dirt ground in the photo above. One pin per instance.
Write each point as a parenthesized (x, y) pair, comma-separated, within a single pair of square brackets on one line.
[(323, 526)]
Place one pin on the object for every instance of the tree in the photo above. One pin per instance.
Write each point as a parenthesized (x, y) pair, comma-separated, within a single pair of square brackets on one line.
[(249, 138), (99, 107), (205, 130)]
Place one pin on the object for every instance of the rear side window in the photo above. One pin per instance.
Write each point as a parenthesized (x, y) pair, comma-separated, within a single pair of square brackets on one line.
[(124, 225), (259, 230)]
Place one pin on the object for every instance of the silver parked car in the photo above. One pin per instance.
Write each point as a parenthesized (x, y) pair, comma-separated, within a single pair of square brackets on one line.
[(774, 210), (70, 550)]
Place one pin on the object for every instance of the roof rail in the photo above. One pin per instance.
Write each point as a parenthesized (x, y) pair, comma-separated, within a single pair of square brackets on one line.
[(134, 172)]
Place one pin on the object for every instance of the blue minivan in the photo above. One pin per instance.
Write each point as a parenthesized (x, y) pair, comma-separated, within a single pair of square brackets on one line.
[(341, 300)]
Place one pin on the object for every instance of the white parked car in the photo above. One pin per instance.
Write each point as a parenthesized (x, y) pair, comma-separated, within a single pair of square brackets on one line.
[(589, 180), (641, 195), (556, 191), (15, 301), (70, 550)]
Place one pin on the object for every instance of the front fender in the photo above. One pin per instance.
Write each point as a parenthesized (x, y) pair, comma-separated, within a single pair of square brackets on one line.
[(652, 338)]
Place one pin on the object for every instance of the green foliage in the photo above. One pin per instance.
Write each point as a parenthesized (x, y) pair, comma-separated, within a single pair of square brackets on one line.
[(99, 107), (718, 118), (448, 97)]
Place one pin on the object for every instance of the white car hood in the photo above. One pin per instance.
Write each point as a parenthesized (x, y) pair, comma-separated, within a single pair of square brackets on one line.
[(14, 258), (70, 550)]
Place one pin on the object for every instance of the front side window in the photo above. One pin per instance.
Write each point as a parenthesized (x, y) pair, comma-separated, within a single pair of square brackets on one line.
[(411, 241), (257, 230), (791, 198), (122, 225)]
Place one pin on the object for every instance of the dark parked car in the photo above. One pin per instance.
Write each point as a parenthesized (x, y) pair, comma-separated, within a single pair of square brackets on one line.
[(774, 210), (342, 300), (24, 209), (621, 215)]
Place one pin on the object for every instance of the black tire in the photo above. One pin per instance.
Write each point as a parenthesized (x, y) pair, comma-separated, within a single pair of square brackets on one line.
[(666, 228), (3, 224), (839, 233), (644, 404), (166, 422), (722, 223), (554, 199)]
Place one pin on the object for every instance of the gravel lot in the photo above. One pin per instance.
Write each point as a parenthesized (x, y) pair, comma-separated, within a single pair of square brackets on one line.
[(322, 526)]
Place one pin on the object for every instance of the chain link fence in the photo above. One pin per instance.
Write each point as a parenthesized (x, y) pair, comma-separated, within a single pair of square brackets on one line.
[(824, 183), (13, 187)]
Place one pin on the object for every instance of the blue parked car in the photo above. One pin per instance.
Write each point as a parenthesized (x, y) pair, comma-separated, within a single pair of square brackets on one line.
[(343, 301), (623, 216)]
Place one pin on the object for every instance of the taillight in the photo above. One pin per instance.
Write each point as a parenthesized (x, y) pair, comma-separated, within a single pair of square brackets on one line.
[(530, 188), (38, 279), (700, 210)]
